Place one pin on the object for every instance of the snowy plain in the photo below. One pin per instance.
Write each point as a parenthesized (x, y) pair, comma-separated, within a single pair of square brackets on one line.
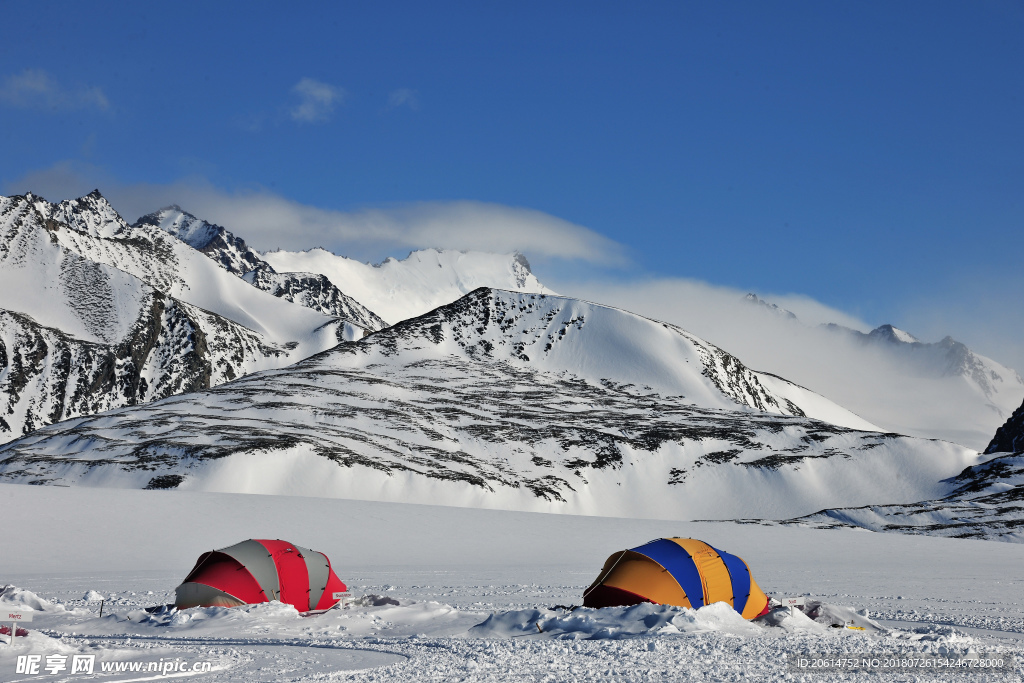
[(472, 586)]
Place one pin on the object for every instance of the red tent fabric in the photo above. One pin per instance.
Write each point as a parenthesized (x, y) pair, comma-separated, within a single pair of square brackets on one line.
[(260, 570)]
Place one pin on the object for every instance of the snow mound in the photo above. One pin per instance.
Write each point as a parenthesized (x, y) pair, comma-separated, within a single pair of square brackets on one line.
[(12, 597), (195, 617), (818, 617), (93, 596), (614, 623)]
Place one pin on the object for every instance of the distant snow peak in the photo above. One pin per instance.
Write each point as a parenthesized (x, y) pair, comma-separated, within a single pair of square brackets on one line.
[(230, 252), (946, 358), (888, 333), (399, 289), (227, 250), (755, 300)]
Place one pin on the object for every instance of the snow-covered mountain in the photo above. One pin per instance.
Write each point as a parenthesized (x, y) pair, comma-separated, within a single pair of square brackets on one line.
[(96, 314), (92, 228), (316, 292), (507, 400), (945, 358), (402, 289), (755, 300), (887, 375), (230, 252)]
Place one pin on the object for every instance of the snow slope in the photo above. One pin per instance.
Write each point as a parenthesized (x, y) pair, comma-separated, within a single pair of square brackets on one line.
[(58, 288), (988, 502), (401, 289), (506, 400), (230, 252), (464, 591)]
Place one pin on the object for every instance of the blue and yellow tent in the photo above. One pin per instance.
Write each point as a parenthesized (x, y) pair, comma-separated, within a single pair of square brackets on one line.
[(677, 571)]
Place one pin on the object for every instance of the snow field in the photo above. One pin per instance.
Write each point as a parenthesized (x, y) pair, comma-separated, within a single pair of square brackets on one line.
[(472, 586)]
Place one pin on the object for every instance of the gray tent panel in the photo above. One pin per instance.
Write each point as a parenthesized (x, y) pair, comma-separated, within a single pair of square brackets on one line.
[(260, 563), (319, 570), (199, 594)]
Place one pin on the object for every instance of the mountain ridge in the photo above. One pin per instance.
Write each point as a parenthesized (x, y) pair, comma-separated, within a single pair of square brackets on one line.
[(424, 410)]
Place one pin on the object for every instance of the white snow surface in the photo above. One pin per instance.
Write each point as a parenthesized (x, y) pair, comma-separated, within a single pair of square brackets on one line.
[(401, 289), (452, 594)]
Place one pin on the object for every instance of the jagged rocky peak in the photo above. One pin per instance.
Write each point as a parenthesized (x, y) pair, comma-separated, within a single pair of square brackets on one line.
[(755, 300), (1010, 437), (225, 248), (91, 215)]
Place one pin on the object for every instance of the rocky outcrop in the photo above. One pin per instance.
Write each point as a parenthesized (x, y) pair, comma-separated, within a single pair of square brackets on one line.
[(47, 375), (314, 291), (1010, 437)]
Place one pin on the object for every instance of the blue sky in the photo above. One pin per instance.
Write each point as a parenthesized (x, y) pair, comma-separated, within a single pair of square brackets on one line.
[(868, 155)]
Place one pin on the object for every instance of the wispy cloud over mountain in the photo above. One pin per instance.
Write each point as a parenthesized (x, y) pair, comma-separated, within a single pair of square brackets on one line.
[(270, 221)]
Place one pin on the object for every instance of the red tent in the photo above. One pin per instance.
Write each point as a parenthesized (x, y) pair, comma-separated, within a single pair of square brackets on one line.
[(260, 570)]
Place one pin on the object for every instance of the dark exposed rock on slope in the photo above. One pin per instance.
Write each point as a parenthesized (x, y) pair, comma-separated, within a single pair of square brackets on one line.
[(314, 291), (1010, 437)]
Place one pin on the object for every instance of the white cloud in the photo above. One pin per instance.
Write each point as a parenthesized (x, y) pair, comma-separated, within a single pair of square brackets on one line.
[(36, 89), (404, 97), (316, 100)]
